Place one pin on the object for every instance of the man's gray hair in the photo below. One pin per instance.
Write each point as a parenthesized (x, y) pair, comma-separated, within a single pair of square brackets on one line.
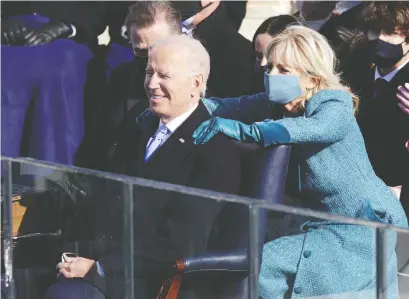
[(197, 57)]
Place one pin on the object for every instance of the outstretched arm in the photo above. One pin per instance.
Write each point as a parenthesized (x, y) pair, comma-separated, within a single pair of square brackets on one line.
[(326, 123), (327, 119), (247, 109)]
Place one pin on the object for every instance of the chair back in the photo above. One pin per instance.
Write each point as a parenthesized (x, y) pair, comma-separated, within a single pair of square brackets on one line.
[(264, 172)]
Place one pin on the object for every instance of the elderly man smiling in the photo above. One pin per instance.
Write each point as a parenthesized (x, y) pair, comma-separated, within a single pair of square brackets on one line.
[(159, 146)]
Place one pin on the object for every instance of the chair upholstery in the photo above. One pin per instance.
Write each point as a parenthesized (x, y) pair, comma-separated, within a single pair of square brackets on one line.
[(264, 174)]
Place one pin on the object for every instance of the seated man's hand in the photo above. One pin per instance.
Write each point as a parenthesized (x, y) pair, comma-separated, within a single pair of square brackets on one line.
[(75, 267), (403, 98)]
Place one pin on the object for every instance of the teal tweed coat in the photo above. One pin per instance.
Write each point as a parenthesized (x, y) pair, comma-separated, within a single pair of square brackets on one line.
[(322, 259)]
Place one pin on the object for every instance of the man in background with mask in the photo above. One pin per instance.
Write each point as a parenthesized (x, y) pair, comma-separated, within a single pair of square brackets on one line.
[(385, 126), (339, 23)]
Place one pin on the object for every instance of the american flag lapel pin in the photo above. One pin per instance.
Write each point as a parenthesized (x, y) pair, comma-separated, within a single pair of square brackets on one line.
[(182, 140)]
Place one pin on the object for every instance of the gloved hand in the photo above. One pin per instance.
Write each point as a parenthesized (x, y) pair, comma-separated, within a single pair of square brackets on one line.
[(352, 38), (403, 98), (48, 33), (231, 128), (13, 32)]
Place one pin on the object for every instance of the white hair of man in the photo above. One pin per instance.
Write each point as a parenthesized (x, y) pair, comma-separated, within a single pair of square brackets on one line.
[(196, 56)]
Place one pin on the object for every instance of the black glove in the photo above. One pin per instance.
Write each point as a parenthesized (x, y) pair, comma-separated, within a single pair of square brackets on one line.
[(13, 32), (48, 33), (353, 38)]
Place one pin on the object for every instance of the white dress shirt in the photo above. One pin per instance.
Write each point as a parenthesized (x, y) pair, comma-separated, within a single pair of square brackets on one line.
[(188, 27), (174, 124)]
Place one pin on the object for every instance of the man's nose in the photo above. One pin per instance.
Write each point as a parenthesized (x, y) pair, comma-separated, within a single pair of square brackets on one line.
[(153, 82)]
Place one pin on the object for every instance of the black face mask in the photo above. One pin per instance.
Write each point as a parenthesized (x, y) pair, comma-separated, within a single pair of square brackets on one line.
[(385, 54)]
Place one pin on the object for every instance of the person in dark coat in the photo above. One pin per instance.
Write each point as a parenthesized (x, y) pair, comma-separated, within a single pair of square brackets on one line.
[(159, 146), (45, 52), (119, 47), (383, 123), (126, 98), (340, 22)]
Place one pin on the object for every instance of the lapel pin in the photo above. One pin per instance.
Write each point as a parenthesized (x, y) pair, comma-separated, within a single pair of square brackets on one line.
[(182, 140)]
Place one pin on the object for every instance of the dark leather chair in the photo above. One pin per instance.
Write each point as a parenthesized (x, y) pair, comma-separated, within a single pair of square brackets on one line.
[(264, 175)]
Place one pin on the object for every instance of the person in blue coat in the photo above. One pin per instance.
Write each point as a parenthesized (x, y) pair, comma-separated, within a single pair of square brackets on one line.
[(315, 115)]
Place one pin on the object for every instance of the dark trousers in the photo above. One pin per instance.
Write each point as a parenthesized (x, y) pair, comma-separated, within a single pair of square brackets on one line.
[(43, 97), (73, 289)]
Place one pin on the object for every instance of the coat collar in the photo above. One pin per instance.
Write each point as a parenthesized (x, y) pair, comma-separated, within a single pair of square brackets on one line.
[(176, 149), (148, 122)]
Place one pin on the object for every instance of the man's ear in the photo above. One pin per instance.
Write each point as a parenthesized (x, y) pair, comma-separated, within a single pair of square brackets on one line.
[(197, 82)]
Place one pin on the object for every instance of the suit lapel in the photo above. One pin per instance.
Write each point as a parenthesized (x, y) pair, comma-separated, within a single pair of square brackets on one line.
[(171, 155), (147, 126), (401, 77)]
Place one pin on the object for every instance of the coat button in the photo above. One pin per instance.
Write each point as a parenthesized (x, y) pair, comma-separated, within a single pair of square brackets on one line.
[(298, 290), (307, 253)]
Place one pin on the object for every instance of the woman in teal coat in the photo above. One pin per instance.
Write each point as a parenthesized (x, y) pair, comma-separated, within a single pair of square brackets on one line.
[(323, 258)]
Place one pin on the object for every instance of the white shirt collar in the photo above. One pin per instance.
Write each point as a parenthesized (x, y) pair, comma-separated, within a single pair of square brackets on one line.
[(178, 121), (389, 76), (188, 27)]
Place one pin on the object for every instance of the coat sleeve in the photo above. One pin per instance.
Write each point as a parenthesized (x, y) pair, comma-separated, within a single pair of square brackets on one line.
[(247, 109), (232, 56), (86, 16), (327, 120)]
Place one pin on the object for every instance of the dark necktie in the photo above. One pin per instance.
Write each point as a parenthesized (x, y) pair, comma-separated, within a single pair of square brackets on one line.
[(380, 85)]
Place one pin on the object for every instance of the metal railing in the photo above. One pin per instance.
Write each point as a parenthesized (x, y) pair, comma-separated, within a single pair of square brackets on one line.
[(14, 169)]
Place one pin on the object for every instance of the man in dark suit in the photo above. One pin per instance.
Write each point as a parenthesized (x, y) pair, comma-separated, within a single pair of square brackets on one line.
[(158, 146), (383, 123), (146, 22), (232, 60)]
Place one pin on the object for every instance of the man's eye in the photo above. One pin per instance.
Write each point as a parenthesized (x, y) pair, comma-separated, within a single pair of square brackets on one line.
[(141, 52)]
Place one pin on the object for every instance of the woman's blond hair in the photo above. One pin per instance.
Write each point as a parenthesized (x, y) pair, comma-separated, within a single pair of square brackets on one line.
[(309, 52)]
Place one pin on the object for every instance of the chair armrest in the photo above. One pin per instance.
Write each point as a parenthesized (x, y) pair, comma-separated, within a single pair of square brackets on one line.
[(216, 262)]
